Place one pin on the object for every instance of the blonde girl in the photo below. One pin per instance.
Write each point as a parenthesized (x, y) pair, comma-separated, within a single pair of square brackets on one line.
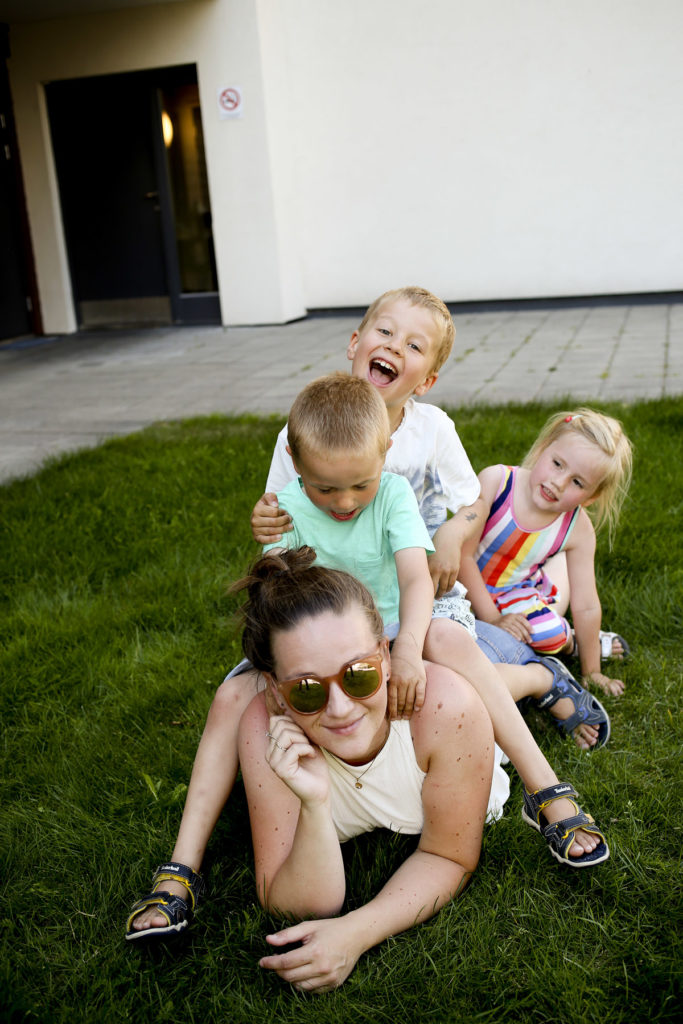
[(581, 460)]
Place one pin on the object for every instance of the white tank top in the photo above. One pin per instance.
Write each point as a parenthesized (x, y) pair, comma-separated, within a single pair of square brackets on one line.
[(391, 790)]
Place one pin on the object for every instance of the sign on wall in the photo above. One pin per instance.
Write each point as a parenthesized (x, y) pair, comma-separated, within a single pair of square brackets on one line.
[(230, 103)]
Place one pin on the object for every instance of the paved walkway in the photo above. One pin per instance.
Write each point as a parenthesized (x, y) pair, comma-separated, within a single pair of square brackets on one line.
[(60, 394)]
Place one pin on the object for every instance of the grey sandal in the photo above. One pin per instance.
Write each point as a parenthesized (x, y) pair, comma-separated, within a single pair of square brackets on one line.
[(587, 708)]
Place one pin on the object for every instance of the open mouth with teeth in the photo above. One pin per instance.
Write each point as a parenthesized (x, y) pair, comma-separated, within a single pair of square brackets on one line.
[(382, 372)]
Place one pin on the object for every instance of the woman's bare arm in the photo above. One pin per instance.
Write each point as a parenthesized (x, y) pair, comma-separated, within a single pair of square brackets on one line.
[(454, 741), (290, 816)]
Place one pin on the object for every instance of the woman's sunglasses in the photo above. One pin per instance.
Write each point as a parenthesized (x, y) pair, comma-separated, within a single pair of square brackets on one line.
[(359, 679)]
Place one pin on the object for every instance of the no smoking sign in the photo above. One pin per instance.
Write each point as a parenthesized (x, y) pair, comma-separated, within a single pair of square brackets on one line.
[(230, 104)]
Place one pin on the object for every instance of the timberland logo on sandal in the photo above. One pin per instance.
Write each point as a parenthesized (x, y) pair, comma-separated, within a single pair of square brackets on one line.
[(563, 789)]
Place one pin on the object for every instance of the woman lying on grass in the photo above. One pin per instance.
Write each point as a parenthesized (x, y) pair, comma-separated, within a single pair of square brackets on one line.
[(321, 762)]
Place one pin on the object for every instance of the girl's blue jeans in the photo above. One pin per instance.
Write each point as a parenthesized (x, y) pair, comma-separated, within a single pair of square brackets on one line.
[(498, 645)]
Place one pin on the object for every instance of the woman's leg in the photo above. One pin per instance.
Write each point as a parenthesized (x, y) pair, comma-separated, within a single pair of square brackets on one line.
[(213, 776)]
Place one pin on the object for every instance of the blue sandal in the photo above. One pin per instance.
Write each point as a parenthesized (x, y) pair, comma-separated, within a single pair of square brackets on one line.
[(560, 835), (177, 911), (587, 708)]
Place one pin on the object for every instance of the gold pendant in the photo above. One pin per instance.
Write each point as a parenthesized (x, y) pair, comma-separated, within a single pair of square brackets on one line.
[(359, 785)]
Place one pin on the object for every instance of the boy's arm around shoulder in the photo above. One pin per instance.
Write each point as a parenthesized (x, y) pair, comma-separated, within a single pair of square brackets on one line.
[(268, 522), (449, 540), (290, 538)]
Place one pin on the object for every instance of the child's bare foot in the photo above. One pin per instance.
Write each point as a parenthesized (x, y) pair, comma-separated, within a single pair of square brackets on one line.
[(613, 687), (617, 650), (613, 647)]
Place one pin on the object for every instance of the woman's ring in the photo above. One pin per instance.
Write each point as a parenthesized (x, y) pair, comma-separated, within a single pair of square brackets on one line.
[(271, 737)]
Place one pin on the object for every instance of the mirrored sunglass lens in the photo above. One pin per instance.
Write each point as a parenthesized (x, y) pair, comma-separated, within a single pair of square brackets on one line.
[(308, 695), (361, 679)]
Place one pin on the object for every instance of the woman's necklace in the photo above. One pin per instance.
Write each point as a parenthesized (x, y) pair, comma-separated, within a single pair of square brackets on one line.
[(356, 778)]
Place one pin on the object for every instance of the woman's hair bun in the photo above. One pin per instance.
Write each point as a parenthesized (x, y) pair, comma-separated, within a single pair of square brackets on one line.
[(283, 587)]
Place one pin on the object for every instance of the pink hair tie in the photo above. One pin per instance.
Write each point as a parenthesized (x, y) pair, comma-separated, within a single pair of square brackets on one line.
[(568, 419)]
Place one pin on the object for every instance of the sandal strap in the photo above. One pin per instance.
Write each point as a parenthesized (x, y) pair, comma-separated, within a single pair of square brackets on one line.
[(587, 709), (564, 684), (561, 834), (567, 826), (167, 904), (540, 798), (176, 872)]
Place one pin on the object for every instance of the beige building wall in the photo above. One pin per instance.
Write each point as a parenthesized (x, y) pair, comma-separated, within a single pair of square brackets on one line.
[(500, 149), (222, 38)]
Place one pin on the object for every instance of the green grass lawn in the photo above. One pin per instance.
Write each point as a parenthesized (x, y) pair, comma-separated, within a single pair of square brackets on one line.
[(116, 630)]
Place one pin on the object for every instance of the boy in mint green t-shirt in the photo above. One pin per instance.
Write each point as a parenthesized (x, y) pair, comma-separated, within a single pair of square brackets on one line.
[(359, 518)]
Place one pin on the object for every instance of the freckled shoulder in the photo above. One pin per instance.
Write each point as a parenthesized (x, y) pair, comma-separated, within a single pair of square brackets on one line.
[(450, 712)]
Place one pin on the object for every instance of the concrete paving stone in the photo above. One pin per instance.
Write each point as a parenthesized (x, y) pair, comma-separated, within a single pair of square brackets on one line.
[(63, 393), (631, 395), (634, 371), (641, 346)]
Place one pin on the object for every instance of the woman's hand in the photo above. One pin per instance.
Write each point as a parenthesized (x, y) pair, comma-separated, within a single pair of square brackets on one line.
[(328, 953), (268, 522), (295, 760)]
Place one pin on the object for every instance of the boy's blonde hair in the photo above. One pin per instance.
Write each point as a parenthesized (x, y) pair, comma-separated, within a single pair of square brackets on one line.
[(438, 309), (338, 412), (608, 435)]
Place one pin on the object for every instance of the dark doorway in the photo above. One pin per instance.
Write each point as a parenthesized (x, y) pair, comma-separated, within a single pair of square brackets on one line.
[(18, 300), (129, 154)]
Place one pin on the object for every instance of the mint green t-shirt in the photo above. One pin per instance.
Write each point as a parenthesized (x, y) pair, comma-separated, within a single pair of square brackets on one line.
[(366, 545)]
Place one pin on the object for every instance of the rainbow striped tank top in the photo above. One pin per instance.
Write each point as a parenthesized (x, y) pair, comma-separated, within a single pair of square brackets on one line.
[(507, 555)]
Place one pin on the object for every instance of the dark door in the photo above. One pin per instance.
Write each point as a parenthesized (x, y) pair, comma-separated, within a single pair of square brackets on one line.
[(116, 192)]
